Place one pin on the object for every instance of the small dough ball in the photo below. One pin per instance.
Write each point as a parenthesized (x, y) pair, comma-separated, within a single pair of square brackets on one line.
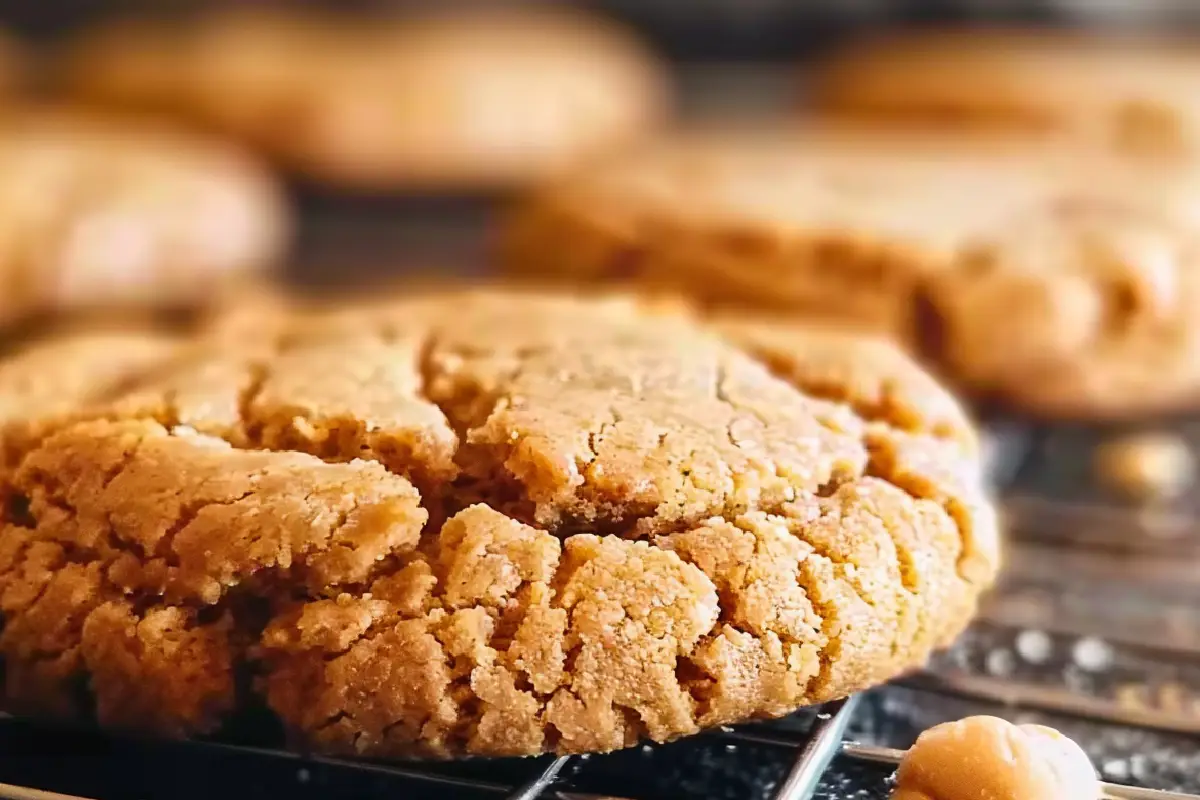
[(987, 757), (1146, 467)]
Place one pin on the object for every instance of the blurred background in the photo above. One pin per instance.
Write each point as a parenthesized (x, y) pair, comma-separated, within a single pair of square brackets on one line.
[(726, 59), (688, 29), (727, 56)]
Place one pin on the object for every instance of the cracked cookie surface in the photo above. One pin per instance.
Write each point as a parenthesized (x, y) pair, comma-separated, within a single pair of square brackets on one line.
[(484, 523), (101, 215), (1059, 281)]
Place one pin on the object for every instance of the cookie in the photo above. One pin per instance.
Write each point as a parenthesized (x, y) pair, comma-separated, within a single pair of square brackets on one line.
[(1059, 281), (467, 100), (1136, 93), (100, 214), (485, 523)]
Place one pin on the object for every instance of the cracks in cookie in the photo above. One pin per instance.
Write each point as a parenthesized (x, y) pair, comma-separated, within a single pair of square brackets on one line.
[(332, 541), (115, 471), (427, 371), (375, 629), (694, 679), (95, 562), (635, 726), (257, 375), (17, 511), (887, 411), (720, 391), (882, 465), (469, 710), (907, 563), (700, 684), (475, 465), (188, 512), (552, 737), (827, 654), (596, 436), (41, 591), (829, 613), (337, 717), (831, 486)]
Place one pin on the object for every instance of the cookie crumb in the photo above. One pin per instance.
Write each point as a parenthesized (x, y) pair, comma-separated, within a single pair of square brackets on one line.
[(1147, 467)]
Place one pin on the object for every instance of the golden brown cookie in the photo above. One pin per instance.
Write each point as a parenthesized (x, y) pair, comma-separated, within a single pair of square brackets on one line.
[(453, 100), (485, 523), (1138, 93), (1064, 282), (99, 214)]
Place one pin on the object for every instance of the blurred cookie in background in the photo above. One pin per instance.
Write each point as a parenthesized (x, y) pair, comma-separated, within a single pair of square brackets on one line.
[(1063, 282), (1138, 92), (97, 215), (463, 100)]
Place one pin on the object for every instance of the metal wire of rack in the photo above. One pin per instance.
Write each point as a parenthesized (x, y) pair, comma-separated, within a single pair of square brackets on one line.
[(814, 750)]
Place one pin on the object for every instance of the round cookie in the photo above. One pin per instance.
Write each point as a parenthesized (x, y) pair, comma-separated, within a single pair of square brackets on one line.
[(1138, 93), (1063, 282), (467, 100), (486, 523), (100, 214)]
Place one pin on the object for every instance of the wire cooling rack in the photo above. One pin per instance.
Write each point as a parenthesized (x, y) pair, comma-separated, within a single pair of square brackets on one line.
[(810, 742)]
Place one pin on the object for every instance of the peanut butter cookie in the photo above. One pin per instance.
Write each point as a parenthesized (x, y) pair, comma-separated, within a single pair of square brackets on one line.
[(1063, 282), (454, 100), (100, 214), (484, 523), (1135, 93)]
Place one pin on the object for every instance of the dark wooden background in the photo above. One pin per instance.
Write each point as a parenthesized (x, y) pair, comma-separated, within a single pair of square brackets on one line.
[(689, 29)]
